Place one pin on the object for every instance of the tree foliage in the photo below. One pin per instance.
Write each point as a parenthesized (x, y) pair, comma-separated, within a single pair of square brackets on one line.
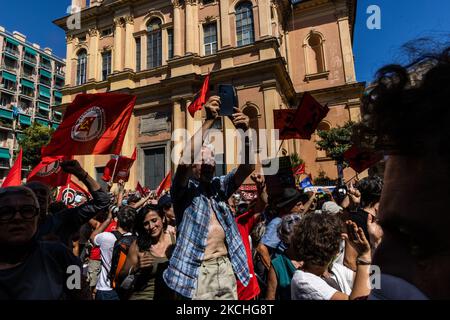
[(296, 160), (336, 141), (34, 138)]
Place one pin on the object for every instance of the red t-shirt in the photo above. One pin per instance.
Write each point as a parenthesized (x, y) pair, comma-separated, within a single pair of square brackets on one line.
[(95, 251), (245, 223)]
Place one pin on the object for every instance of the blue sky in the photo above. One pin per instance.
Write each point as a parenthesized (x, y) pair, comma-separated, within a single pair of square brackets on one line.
[(401, 21)]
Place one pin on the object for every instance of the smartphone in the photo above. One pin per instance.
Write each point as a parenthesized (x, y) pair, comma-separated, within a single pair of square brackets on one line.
[(228, 99)]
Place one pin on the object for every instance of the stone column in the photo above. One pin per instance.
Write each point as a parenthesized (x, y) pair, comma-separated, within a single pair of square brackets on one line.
[(189, 26), (69, 57), (165, 46), (177, 47), (265, 23), (225, 23), (144, 52), (177, 125), (346, 46), (130, 45), (93, 54), (118, 47), (189, 119), (271, 102)]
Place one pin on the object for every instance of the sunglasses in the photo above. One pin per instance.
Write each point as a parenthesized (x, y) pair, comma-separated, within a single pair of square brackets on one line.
[(27, 212)]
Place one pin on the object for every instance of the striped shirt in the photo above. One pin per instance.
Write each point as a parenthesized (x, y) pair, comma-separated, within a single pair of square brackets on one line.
[(192, 210)]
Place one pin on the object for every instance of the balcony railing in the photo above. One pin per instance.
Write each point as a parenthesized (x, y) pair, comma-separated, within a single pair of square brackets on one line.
[(46, 66), (12, 51), (30, 59), (29, 76), (10, 87), (8, 67)]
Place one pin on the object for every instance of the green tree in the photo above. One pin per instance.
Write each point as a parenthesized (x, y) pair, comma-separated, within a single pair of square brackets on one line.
[(335, 142), (34, 138), (296, 160)]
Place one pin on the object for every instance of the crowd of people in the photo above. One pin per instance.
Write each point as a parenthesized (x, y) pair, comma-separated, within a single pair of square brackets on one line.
[(201, 240)]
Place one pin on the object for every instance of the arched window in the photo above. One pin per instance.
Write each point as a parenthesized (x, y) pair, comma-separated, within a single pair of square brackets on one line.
[(315, 59), (81, 66), (154, 44), (244, 24)]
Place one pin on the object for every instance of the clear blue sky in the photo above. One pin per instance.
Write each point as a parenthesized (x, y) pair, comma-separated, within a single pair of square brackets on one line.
[(401, 21)]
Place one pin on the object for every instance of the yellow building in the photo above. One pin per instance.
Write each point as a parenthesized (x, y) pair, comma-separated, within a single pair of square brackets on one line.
[(270, 50)]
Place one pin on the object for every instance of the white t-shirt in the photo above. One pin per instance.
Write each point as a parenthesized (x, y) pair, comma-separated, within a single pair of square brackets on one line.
[(308, 286), (344, 277), (106, 242)]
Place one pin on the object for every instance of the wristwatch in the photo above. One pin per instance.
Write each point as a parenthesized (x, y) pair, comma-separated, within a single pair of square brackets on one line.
[(362, 262)]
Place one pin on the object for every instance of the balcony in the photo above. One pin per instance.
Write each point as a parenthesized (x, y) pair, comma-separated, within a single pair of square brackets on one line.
[(46, 66), (8, 67), (6, 118), (12, 52), (4, 156), (30, 60)]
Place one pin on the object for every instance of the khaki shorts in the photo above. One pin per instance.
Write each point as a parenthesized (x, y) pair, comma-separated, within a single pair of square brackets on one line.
[(94, 268), (216, 281)]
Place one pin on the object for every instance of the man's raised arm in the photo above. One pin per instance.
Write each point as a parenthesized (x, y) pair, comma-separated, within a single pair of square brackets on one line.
[(193, 146)]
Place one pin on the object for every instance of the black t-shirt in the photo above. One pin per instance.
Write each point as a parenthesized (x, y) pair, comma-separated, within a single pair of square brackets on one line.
[(42, 276)]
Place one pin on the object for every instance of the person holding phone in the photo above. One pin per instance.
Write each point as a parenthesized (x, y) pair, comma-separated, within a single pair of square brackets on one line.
[(209, 254)]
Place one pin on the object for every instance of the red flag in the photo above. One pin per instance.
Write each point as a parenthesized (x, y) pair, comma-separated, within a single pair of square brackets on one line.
[(49, 171), (142, 191), (305, 121), (200, 98), (68, 193), (283, 120), (92, 124), (362, 159), (14, 177), (299, 170), (122, 170), (165, 184)]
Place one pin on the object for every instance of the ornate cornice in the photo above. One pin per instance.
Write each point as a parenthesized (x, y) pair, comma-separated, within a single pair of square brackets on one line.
[(93, 32)]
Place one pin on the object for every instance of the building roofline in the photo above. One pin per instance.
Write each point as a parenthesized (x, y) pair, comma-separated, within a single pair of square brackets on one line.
[(30, 44)]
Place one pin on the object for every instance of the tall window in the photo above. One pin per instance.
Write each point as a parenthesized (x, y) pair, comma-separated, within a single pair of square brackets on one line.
[(315, 56), (106, 64), (81, 67), (210, 38), (244, 24), (138, 54), (170, 44), (154, 44)]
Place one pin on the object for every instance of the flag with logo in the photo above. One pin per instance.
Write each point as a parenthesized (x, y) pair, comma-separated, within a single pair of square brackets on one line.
[(49, 171), (119, 167), (201, 97), (92, 124), (14, 177), (165, 184), (69, 192)]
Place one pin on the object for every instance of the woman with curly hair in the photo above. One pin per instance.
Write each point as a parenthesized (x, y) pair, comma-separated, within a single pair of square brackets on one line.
[(149, 255), (315, 242)]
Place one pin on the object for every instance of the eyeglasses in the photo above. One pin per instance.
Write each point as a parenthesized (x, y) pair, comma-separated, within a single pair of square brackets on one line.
[(27, 212)]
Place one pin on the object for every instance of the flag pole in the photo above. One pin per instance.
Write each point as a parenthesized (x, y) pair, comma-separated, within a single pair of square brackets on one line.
[(65, 198), (114, 171)]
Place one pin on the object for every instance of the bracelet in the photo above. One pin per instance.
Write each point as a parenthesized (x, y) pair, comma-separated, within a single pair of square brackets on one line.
[(362, 262)]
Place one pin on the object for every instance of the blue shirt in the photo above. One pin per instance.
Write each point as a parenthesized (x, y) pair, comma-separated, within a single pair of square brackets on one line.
[(270, 238), (192, 210)]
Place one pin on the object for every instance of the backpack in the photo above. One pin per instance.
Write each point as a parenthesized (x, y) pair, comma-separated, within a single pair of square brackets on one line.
[(119, 256)]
